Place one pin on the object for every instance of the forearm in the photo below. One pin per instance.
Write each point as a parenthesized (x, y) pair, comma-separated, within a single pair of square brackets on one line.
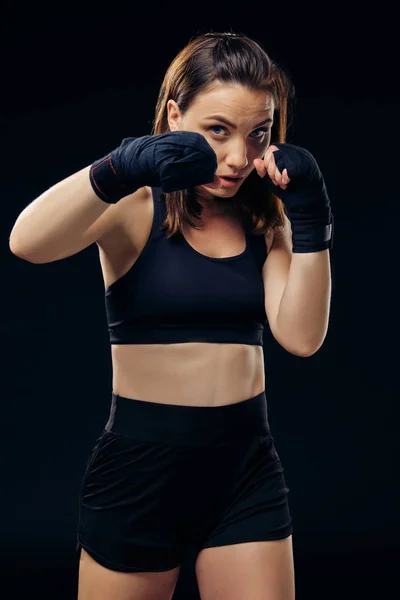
[(303, 313)]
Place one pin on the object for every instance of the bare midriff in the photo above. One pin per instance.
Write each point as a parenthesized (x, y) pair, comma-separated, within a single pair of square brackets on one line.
[(198, 374)]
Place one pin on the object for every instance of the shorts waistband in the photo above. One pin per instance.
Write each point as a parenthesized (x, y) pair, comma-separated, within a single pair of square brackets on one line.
[(189, 425)]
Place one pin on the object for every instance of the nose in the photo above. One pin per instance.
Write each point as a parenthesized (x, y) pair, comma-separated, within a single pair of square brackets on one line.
[(236, 158)]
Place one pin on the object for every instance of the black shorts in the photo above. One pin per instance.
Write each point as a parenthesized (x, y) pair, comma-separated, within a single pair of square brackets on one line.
[(163, 478)]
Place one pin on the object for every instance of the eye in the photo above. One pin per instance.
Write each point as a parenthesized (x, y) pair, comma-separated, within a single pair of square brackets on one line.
[(264, 130)]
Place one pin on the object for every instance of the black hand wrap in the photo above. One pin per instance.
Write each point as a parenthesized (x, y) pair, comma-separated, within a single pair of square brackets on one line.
[(173, 161), (306, 199)]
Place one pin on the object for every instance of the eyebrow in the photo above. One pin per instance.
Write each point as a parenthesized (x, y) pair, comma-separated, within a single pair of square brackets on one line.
[(223, 120)]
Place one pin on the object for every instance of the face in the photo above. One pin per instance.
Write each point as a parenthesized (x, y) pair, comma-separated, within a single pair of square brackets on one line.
[(247, 136)]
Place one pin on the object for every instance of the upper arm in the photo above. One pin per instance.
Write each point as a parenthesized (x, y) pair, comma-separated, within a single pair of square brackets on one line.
[(276, 271), (115, 220)]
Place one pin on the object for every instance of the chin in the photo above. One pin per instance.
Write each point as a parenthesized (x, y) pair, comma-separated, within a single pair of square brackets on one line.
[(218, 197), (221, 192)]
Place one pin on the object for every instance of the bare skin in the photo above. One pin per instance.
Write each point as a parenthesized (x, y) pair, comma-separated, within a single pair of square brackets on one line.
[(96, 582)]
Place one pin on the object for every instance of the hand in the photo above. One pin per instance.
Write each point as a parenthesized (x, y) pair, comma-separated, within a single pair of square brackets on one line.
[(267, 165), (304, 191), (303, 194), (174, 160)]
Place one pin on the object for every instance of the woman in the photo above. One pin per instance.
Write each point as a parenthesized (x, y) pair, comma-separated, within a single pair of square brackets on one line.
[(197, 253)]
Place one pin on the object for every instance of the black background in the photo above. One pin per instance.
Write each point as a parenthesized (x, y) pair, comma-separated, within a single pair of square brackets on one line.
[(74, 83)]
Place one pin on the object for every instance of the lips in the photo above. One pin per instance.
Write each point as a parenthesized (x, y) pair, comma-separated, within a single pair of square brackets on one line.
[(225, 181)]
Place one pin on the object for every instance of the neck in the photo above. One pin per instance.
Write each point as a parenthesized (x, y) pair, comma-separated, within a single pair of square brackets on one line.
[(214, 207)]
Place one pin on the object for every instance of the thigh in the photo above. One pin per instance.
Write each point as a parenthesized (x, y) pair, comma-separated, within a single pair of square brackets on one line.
[(96, 582), (254, 570)]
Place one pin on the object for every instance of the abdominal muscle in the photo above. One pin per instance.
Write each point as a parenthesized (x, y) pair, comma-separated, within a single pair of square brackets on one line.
[(190, 373), (193, 374)]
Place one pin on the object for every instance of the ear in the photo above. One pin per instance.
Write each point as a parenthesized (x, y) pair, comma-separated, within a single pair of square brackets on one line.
[(174, 115)]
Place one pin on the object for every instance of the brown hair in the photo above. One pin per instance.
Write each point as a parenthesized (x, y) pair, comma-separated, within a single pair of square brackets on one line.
[(231, 58)]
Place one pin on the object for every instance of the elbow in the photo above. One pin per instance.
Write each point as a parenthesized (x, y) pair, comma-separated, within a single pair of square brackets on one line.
[(300, 344), (301, 350), (15, 250), (19, 253), (306, 351)]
